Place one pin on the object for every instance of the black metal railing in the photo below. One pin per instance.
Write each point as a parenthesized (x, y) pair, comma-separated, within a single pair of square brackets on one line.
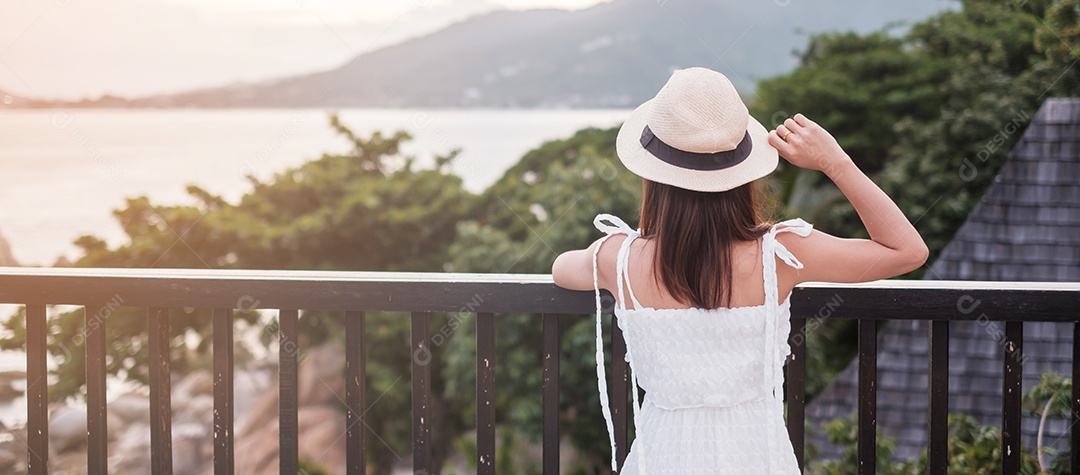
[(158, 290)]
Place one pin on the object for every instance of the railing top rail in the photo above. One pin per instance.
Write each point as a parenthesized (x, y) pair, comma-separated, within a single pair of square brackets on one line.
[(950, 285), (531, 293), (281, 275), (467, 277)]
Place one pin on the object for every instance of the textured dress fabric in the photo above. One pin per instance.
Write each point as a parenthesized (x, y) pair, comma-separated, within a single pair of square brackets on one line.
[(713, 378)]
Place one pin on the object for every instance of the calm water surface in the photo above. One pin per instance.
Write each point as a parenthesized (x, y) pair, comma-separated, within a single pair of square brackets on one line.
[(63, 172)]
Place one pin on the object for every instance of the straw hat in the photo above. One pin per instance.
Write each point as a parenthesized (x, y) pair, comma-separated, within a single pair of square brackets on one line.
[(696, 134)]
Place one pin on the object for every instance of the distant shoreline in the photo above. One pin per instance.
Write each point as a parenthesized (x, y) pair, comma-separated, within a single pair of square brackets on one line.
[(80, 105)]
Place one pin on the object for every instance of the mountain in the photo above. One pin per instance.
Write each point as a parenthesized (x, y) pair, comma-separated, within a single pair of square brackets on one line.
[(7, 259), (614, 54)]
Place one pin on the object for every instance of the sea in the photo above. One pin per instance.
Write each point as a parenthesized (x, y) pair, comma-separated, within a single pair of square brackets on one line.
[(63, 172)]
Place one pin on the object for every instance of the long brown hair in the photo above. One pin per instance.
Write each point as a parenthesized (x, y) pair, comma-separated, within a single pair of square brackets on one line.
[(695, 232)]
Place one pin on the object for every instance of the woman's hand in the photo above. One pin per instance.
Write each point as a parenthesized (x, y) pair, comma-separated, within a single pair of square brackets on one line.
[(806, 144), (894, 247)]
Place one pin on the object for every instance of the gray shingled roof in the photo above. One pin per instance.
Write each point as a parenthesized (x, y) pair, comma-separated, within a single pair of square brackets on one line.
[(1026, 228)]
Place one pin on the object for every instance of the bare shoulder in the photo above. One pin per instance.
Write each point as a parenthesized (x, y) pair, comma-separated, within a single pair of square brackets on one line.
[(607, 258), (794, 241), (802, 248)]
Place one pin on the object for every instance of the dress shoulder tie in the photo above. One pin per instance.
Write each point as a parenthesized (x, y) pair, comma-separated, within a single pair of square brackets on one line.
[(772, 378), (617, 226)]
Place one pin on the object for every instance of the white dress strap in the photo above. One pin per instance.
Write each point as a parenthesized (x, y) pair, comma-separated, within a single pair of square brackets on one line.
[(622, 270), (621, 266), (770, 250)]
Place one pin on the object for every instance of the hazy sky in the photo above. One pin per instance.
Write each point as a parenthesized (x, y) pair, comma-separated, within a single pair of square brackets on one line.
[(79, 48)]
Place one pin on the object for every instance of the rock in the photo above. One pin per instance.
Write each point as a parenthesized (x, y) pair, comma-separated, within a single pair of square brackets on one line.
[(259, 417), (322, 379), (8, 392), (188, 441), (320, 442), (10, 460), (116, 426), (130, 407), (13, 450), (198, 410), (257, 452), (11, 383), (67, 428), (131, 452), (321, 421), (197, 383), (248, 388), (321, 382), (321, 437), (71, 462)]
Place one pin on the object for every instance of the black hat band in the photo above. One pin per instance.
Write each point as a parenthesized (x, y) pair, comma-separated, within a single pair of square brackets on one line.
[(694, 160)]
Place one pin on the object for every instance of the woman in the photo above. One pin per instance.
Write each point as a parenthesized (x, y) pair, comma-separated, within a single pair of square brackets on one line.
[(706, 323)]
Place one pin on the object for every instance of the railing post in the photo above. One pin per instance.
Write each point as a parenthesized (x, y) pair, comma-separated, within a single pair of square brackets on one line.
[(421, 394), (937, 446), (355, 385), (37, 391), (551, 358), (485, 393), (160, 392), (1012, 397), (796, 388), (223, 391), (1074, 442), (97, 432), (288, 391), (867, 432)]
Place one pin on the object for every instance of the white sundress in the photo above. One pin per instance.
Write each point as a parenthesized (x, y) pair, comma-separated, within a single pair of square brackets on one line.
[(713, 378)]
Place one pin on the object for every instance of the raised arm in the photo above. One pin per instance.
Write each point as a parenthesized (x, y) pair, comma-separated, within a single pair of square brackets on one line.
[(894, 247)]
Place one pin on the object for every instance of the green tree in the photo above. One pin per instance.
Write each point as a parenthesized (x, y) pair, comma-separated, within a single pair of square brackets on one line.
[(1059, 39), (930, 114), (973, 448), (844, 433), (542, 206), (1050, 399), (367, 209)]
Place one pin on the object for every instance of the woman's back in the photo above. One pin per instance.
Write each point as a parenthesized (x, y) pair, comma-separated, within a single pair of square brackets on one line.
[(746, 263), (712, 377)]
